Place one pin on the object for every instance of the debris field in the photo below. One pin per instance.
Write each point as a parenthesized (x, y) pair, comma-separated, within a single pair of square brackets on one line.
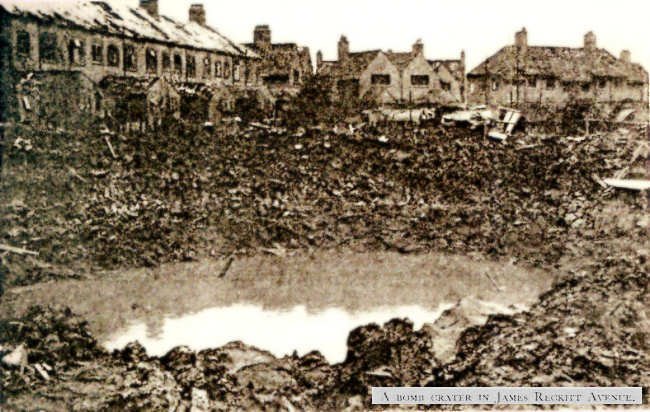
[(92, 200)]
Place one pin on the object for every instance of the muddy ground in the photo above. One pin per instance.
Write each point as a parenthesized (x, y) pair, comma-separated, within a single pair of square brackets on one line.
[(538, 201)]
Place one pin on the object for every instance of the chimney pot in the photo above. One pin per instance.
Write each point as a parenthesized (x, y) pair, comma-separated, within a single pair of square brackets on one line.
[(626, 56), (262, 36), (344, 48), (418, 48), (151, 6), (590, 41), (197, 13), (521, 38)]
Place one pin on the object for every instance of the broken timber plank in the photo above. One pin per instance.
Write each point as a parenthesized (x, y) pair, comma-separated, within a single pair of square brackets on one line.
[(77, 175), (110, 146), (629, 184), (17, 250)]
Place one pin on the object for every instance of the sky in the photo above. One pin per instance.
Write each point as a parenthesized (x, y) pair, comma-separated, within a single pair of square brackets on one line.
[(446, 27), (480, 28)]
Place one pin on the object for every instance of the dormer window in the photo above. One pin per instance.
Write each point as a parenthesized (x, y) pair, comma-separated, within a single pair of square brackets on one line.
[(98, 53), (152, 61), (77, 52), (130, 58), (178, 63), (113, 56), (48, 48), (23, 43), (191, 66)]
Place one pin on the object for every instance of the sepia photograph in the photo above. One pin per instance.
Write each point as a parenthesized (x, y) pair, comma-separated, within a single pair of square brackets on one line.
[(324, 206)]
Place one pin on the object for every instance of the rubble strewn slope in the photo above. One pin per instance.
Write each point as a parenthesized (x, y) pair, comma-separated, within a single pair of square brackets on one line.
[(539, 200), (86, 200)]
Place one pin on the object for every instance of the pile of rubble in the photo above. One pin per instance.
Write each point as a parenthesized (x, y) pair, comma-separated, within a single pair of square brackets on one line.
[(49, 355), (61, 362), (104, 201), (143, 200)]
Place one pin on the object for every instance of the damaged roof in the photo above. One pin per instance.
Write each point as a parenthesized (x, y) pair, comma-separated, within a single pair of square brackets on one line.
[(565, 63), (358, 62), (119, 19), (351, 67), (280, 56), (453, 67), (400, 60)]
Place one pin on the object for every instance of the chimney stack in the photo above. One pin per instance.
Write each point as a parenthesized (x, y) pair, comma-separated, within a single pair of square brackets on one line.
[(418, 48), (344, 48), (151, 6), (521, 39), (319, 59), (262, 37), (590, 41), (197, 14), (626, 56)]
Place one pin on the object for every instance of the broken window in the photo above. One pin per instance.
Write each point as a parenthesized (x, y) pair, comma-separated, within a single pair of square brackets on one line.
[(585, 87), (178, 63), (98, 53), (23, 43), (152, 61), (380, 79), (446, 86), (191, 66), (76, 52), (419, 80), (532, 82), (166, 61), (236, 71), (130, 58), (226, 70), (550, 83), (48, 48), (113, 56), (207, 67), (602, 83), (217, 69), (296, 76)]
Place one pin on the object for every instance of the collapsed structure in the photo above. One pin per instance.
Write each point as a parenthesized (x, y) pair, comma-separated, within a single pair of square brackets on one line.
[(520, 75), (284, 66), (78, 45), (390, 78)]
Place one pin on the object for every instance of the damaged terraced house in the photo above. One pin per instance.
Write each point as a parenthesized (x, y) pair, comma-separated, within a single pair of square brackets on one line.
[(122, 62), (527, 76), (393, 78), (284, 66)]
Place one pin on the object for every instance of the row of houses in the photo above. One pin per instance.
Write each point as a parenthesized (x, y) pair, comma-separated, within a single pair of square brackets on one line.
[(95, 46), (393, 78), (523, 75), (98, 47), (518, 75)]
